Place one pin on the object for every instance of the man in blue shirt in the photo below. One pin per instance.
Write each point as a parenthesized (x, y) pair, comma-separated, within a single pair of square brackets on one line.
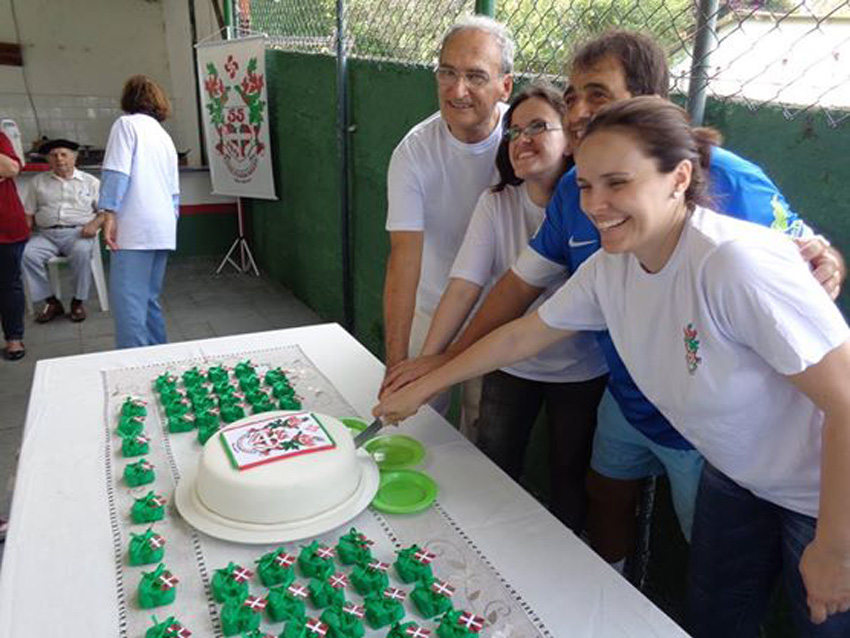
[(633, 439)]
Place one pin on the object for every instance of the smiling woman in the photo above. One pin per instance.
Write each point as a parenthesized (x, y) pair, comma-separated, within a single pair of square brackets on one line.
[(638, 189), (725, 330), (569, 377)]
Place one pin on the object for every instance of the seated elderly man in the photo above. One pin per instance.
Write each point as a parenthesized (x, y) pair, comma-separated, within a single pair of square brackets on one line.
[(63, 206)]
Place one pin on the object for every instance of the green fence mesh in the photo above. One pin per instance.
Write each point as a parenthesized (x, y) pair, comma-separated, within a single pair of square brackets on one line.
[(790, 53)]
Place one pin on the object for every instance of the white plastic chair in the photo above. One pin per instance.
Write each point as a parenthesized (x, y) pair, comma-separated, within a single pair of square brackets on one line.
[(96, 272)]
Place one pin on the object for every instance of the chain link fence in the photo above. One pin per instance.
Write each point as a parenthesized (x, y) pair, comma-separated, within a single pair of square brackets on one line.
[(791, 53)]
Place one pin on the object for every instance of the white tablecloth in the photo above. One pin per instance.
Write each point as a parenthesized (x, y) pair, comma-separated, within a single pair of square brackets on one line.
[(58, 568)]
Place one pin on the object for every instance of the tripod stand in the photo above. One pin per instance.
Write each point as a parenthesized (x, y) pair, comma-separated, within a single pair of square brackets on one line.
[(246, 259)]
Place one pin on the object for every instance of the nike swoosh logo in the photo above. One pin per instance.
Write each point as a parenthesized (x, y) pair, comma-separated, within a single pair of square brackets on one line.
[(577, 244)]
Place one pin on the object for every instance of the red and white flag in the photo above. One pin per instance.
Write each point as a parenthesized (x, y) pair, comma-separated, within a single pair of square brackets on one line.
[(424, 557), (298, 591), (176, 630), (358, 611), (156, 541), (338, 581), (394, 593), (471, 621), (255, 603), (167, 581), (241, 574), (442, 588), (325, 552), (378, 566)]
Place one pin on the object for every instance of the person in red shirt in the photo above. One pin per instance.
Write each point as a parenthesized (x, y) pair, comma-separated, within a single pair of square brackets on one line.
[(14, 232)]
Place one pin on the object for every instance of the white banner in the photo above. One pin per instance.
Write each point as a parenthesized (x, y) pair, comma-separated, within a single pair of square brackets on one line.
[(236, 116)]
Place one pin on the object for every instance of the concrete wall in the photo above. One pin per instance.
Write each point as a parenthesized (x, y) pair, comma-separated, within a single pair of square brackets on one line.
[(297, 239), (78, 54)]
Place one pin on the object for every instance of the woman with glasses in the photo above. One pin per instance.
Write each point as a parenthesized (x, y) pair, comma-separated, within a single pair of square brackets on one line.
[(568, 378), (725, 330)]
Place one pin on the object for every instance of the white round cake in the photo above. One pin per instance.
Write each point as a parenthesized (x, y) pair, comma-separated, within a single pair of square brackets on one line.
[(278, 468)]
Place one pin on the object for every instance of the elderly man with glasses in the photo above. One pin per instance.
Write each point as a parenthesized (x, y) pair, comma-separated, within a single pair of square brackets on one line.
[(436, 174)]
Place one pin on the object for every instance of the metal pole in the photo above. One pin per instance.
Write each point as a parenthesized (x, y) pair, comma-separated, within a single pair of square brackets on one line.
[(193, 29), (343, 133), (704, 43), (485, 7), (228, 18)]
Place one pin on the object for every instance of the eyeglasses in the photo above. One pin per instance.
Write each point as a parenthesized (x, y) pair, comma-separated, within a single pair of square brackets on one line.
[(532, 130), (447, 77)]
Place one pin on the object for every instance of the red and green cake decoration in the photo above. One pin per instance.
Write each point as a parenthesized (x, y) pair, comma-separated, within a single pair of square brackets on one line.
[(146, 548), (157, 588)]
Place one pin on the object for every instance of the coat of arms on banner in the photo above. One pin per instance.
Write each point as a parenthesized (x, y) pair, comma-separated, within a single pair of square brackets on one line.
[(237, 113), (268, 439)]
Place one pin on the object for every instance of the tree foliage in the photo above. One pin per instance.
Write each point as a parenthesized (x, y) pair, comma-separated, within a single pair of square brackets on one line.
[(410, 30)]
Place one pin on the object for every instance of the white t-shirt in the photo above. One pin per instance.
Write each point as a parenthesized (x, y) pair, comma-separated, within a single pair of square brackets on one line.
[(499, 230), (140, 148), (433, 182), (708, 340)]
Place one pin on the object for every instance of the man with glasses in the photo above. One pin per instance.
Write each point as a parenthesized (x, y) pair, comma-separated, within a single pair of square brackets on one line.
[(435, 177), (633, 439)]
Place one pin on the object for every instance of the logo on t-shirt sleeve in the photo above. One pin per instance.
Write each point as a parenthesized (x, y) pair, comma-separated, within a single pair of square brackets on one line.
[(783, 219), (692, 358)]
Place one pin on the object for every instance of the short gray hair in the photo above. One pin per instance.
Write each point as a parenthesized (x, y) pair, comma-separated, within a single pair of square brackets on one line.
[(496, 30)]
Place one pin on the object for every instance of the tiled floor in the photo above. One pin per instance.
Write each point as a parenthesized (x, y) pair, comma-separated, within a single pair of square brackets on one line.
[(197, 303)]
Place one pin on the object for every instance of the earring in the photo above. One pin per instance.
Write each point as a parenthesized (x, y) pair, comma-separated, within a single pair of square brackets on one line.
[(676, 194)]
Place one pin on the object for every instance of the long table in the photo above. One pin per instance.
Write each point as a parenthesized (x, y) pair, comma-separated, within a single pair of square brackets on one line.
[(58, 569)]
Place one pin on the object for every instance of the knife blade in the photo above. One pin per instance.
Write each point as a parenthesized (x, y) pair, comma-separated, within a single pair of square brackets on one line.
[(368, 433)]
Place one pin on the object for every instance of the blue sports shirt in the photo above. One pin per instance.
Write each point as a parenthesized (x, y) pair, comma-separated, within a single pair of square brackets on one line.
[(737, 188)]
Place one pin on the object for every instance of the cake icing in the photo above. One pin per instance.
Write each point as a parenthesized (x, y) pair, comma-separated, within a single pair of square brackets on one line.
[(297, 487)]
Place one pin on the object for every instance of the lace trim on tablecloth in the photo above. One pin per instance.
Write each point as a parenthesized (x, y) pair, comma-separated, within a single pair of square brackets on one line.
[(480, 587)]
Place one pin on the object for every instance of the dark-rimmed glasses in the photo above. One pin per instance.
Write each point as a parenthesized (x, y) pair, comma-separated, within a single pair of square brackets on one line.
[(532, 130)]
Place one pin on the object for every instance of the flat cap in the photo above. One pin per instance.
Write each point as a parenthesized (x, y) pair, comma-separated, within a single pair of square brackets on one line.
[(48, 146)]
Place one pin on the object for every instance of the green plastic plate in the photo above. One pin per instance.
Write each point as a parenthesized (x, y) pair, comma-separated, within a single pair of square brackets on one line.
[(355, 425), (405, 492), (395, 451)]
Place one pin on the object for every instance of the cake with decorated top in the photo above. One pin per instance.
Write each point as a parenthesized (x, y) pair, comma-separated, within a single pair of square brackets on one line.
[(370, 578), (276, 568), (413, 564), (146, 548), (354, 548), (230, 582), (384, 609), (139, 473), (169, 628), (287, 602), (277, 468), (157, 588), (460, 624), (432, 597), (240, 615), (345, 621)]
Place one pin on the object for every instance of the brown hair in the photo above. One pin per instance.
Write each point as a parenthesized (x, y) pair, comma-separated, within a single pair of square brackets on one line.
[(142, 95), (539, 89), (643, 60), (662, 130)]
